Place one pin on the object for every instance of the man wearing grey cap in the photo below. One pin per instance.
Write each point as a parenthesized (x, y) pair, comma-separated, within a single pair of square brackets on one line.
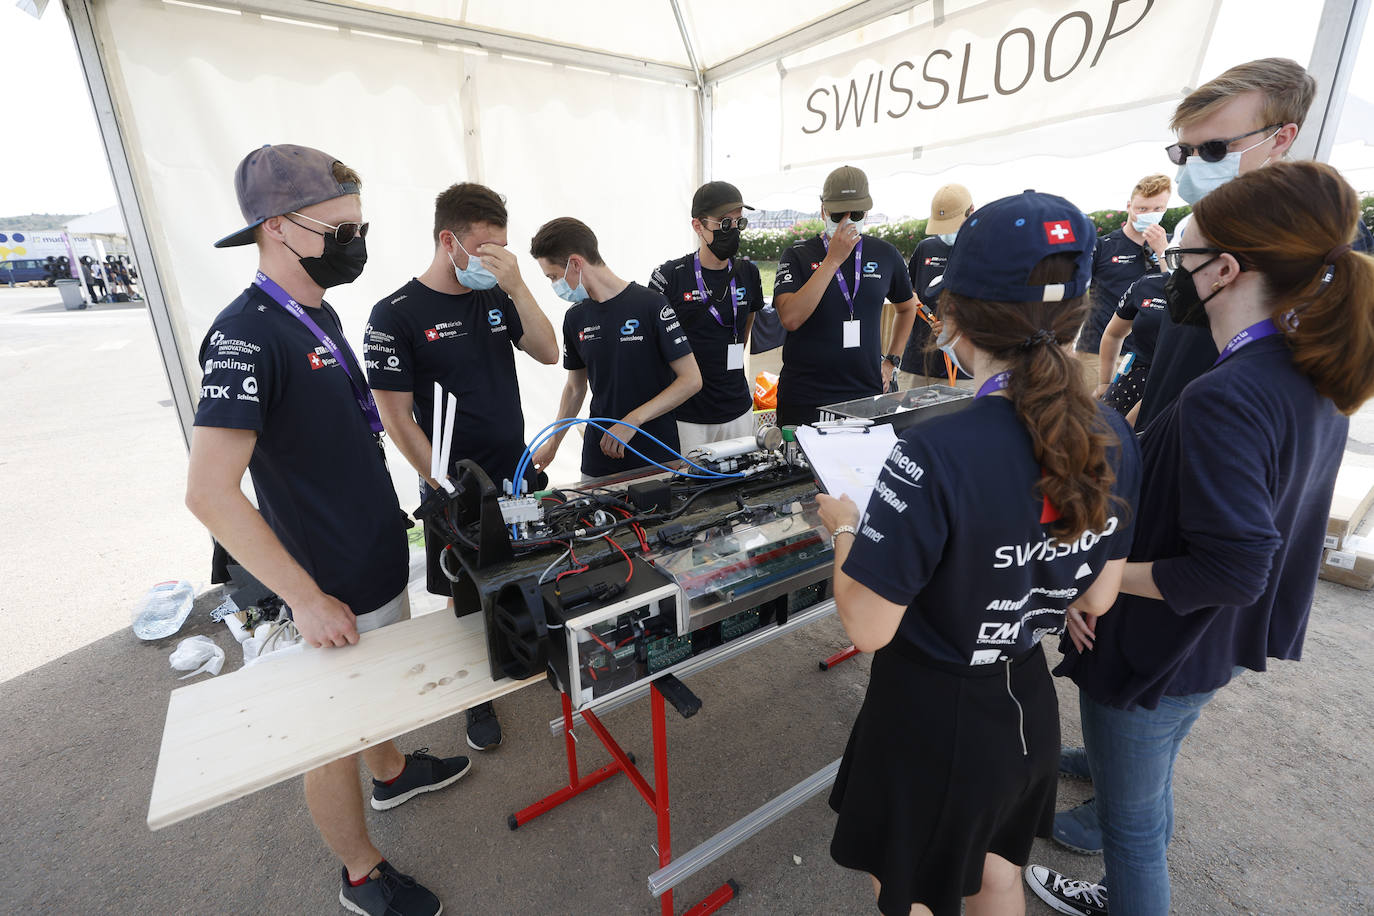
[(284, 398), (715, 294), (829, 294)]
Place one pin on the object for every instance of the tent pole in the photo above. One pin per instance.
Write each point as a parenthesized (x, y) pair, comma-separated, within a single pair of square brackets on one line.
[(703, 97), (1333, 58), (80, 15)]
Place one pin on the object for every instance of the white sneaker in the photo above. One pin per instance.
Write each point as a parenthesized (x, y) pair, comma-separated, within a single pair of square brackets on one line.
[(1065, 895)]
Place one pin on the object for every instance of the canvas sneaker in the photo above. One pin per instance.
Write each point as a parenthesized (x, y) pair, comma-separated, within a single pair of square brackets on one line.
[(484, 732), (1065, 895), (1073, 763), (1077, 829), (387, 892), (423, 773)]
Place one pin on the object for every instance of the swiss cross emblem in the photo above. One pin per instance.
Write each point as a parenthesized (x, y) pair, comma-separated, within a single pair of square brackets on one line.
[(928, 260), (687, 297), (1058, 232), (315, 361), (1116, 260), (431, 334), (815, 265)]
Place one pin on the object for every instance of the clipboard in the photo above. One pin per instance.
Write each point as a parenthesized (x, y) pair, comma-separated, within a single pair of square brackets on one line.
[(848, 458)]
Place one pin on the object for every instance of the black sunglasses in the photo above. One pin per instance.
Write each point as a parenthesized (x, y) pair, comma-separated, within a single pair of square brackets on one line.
[(1173, 257), (727, 222), (343, 233), (1211, 150), (854, 215)]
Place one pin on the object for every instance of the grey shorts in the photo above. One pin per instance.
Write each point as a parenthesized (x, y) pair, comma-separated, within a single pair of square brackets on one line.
[(394, 611)]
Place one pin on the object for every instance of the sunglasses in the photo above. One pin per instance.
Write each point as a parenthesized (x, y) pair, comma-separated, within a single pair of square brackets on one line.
[(727, 223), (343, 233), (1173, 257), (1213, 150), (854, 215)]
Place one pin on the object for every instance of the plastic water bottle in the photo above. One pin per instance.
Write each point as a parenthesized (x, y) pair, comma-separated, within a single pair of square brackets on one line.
[(163, 610)]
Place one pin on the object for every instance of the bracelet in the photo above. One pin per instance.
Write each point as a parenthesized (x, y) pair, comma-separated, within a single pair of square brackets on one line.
[(843, 529)]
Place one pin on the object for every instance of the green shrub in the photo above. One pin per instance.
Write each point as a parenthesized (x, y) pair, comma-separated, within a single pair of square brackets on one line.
[(1112, 220), (769, 244)]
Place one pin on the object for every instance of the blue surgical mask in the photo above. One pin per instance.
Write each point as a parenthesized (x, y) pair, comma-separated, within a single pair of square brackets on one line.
[(1144, 221), (475, 275), (1197, 178), (946, 343), (948, 237), (563, 290)]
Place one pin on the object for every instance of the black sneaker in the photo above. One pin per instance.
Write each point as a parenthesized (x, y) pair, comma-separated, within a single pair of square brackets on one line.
[(484, 732), (1065, 895), (387, 892), (423, 773)]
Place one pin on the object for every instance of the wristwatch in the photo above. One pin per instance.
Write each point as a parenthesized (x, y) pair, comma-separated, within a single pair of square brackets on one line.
[(843, 529), (895, 359)]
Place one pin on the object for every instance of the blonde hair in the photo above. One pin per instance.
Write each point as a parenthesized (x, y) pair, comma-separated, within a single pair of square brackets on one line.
[(1151, 185), (1287, 88)]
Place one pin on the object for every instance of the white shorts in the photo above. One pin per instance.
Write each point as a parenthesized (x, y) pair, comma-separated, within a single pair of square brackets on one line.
[(694, 435), (394, 611)]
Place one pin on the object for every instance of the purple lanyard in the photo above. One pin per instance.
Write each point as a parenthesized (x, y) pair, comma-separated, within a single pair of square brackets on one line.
[(858, 263), (998, 382), (366, 403), (706, 295), (1256, 331)]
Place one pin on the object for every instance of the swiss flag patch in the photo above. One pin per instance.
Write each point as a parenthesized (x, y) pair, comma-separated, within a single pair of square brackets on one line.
[(315, 361), (928, 260), (815, 265), (1058, 232), (431, 334), (686, 297)]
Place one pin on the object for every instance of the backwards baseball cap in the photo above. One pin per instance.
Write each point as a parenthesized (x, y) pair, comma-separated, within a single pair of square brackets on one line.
[(947, 209), (846, 188), (281, 179), (1002, 242), (715, 199)]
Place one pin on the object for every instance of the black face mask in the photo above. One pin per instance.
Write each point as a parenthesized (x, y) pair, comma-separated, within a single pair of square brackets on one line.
[(338, 264), (1185, 305), (724, 243)]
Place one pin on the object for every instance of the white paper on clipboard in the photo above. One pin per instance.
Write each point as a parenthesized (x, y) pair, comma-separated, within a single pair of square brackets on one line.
[(847, 460)]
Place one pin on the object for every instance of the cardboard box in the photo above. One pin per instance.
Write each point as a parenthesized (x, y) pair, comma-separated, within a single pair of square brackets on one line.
[(1351, 501), (1353, 564)]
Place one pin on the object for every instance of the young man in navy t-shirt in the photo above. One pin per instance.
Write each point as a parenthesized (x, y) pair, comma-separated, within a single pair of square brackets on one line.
[(949, 208), (715, 295), (829, 293), (623, 341), (459, 324), (284, 398)]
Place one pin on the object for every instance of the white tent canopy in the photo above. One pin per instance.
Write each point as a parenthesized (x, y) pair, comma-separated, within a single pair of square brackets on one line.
[(611, 111), (102, 222)]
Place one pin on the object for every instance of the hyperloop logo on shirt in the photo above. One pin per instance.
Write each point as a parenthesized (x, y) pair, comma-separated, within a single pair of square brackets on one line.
[(1059, 232), (870, 267), (630, 326), (494, 317)]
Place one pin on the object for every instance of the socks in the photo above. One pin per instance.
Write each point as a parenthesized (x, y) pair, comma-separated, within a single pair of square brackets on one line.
[(387, 782), (365, 878)]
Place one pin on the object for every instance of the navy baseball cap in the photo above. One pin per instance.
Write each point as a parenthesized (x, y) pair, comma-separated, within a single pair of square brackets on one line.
[(274, 180), (1001, 243)]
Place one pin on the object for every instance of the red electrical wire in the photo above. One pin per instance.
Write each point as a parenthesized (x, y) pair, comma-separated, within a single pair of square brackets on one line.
[(631, 574)]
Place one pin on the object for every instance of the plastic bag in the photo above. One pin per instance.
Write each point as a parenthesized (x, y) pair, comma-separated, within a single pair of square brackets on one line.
[(277, 637), (766, 390), (196, 651)]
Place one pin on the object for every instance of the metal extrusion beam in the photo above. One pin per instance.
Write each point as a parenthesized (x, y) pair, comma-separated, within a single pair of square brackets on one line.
[(1333, 59)]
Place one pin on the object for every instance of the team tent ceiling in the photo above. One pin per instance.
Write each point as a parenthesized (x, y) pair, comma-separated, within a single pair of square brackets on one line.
[(614, 111)]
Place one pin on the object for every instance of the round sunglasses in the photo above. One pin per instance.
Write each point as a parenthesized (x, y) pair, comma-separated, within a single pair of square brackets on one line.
[(1213, 150)]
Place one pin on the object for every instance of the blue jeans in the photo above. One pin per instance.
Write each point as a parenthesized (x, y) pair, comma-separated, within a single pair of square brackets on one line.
[(1131, 755)]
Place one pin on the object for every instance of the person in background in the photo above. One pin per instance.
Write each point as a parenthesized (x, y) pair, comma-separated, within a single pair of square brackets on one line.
[(1123, 256), (626, 343), (459, 326), (951, 205), (829, 293), (950, 771), (1238, 479), (715, 294), (1133, 328)]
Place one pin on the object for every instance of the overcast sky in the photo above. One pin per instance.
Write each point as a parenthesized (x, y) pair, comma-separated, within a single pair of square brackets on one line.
[(52, 161)]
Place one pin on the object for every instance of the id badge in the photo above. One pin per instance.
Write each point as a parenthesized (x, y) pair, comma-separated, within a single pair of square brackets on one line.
[(851, 334), (734, 356)]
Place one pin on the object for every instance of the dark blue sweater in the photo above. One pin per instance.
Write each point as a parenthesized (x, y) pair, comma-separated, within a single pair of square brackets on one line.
[(1238, 475)]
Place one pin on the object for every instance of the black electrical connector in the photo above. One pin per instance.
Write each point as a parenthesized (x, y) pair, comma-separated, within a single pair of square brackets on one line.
[(601, 591)]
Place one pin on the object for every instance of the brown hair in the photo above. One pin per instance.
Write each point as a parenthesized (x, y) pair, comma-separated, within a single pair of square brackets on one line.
[(1287, 88), (1285, 222), (458, 207), (343, 174), (1068, 433), (559, 239), (1151, 185)]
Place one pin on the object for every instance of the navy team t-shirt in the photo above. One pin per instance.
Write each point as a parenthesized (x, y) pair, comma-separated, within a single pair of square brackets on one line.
[(1117, 263), (817, 368), (626, 345), (927, 263), (725, 393), (320, 479), (417, 336), (953, 531), (1145, 307)]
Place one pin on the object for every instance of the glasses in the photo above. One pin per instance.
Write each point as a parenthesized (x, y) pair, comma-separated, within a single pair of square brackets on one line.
[(343, 233), (1213, 150), (1174, 257), (854, 215), (727, 223)]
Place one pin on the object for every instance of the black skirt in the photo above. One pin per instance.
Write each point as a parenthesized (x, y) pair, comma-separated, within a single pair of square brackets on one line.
[(945, 764)]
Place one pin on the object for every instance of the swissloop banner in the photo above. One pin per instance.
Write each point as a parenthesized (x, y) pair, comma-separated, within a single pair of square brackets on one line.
[(1000, 67)]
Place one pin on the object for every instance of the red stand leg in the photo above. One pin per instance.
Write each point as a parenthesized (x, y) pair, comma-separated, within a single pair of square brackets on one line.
[(576, 785), (843, 655)]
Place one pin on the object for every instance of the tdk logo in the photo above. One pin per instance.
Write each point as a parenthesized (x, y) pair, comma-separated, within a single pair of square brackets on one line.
[(630, 326), (494, 317)]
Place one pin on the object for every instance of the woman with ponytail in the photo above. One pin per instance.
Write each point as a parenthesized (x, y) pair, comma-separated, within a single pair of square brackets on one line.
[(1238, 475), (983, 527)]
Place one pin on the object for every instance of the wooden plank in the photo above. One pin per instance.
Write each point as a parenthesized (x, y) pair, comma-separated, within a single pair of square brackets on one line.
[(232, 735)]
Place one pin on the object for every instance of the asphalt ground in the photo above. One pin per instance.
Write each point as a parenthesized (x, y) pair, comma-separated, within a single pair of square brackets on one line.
[(1273, 788)]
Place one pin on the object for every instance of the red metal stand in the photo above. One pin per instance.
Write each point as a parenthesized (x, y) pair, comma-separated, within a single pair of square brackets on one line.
[(656, 796), (843, 655)]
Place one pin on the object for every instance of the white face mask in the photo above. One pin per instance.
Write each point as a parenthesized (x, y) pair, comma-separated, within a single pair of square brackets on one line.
[(948, 237), (946, 344)]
